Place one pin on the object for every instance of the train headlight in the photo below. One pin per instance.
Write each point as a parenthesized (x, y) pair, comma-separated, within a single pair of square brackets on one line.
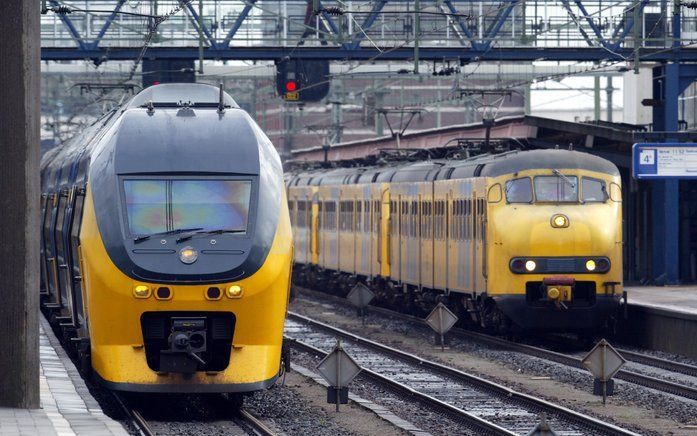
[(234, 291), (188, 255), (141, 291), (560, 221), (590, 265), (530, 265)]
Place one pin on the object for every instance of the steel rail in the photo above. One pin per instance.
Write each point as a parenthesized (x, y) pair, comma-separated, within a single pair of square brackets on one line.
[(140, 424), (255, 424), (501, 391), (658, 384), (645, 359), (469, 420)]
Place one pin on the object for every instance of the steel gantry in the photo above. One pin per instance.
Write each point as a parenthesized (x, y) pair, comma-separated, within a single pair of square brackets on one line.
[(628, 32), (509, 30)]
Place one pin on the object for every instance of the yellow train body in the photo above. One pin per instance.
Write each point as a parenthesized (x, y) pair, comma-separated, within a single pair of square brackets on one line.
[(114, 314), (167, 266), (454, 240)]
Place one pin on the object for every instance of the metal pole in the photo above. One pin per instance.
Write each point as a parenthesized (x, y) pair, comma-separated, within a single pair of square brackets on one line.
[(200, 36), (596, 98), (338, 376), (19, 199), (417, 33), (609, 90), (602, 365)]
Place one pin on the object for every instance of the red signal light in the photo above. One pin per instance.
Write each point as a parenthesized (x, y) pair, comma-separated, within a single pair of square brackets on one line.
[(291, 86)]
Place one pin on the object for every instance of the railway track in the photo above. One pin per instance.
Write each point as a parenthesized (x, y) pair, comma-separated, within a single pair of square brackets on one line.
[(247, 422), (659, 384), (137, 421), (484, 406)]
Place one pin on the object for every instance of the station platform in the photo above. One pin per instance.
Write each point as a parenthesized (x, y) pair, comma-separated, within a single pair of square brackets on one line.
[(661, 318), (681, 299), (67, 407)]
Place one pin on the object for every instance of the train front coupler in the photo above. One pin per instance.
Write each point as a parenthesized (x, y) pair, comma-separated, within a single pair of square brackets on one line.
[(186, 341)]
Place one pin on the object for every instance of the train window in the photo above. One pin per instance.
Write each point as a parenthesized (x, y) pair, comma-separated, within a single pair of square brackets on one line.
[(615, 192), (556, 189), (519, 190), (158, 205), (593, 191)]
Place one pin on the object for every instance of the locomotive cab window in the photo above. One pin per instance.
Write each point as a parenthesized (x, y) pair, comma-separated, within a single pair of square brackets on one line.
[(556, 189), (519, 190), (157, 205), (593, 190)]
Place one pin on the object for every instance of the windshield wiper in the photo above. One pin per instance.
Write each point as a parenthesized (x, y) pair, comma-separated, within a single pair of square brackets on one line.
[(209, 232), (563, 177), (168, 232)]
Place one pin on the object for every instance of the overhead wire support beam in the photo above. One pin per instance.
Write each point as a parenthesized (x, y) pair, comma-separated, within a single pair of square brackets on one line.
[(199, 25), (107, 24), (249, 4), (618, 37), (493, 30), (270, 53), (367, 24)]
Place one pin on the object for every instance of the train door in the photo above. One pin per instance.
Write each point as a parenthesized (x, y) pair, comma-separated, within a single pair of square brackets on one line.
[(75, 263), (321, 237), (450, 242), (62, 259), (45, 201), (479, 226), (50, 251), (386, 231), (396, 229), (439, 236), (426, 235), (315, 231)]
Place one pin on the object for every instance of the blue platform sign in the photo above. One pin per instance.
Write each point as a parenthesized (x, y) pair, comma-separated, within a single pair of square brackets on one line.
[(664, 161)]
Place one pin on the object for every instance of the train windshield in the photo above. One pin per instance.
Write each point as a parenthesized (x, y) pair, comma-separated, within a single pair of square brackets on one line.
[(519, 190), (161, 205), (556, 189)]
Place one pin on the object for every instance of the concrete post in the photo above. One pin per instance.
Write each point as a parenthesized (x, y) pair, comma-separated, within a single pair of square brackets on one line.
[(19, 202)]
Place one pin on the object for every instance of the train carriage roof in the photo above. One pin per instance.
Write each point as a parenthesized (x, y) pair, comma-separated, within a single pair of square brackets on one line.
[(489, 165)]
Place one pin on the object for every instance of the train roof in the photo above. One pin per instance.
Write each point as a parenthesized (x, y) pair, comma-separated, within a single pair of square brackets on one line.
[(486, 165), (494, 165), (177, 93)]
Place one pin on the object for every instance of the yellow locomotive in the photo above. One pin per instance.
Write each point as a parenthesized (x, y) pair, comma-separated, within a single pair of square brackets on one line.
[(523, 240), (166, 245)]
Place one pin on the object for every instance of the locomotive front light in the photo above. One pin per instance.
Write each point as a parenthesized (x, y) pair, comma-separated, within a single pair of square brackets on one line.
[(560, 221), (530, 265), (234, 291), (188, 255), (141, 291), (590, 265)]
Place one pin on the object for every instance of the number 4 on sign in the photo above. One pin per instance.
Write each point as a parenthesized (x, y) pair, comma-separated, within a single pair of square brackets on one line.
[(647, 157)]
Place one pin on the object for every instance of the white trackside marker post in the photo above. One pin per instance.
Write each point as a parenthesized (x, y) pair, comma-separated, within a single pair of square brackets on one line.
[(338, 368), (441, 320), (603, 361), (360, 296)]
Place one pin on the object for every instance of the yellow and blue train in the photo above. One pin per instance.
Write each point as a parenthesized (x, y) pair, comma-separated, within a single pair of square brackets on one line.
[(522, 240), (166, 245)]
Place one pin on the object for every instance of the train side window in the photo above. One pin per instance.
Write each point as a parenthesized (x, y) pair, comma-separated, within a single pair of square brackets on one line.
[(519, 190), (593, 191), (615, 192), (75, 229), (494, 195), (58, 230)]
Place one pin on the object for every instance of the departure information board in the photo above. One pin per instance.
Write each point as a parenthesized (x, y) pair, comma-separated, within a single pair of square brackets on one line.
[(663, 161)]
